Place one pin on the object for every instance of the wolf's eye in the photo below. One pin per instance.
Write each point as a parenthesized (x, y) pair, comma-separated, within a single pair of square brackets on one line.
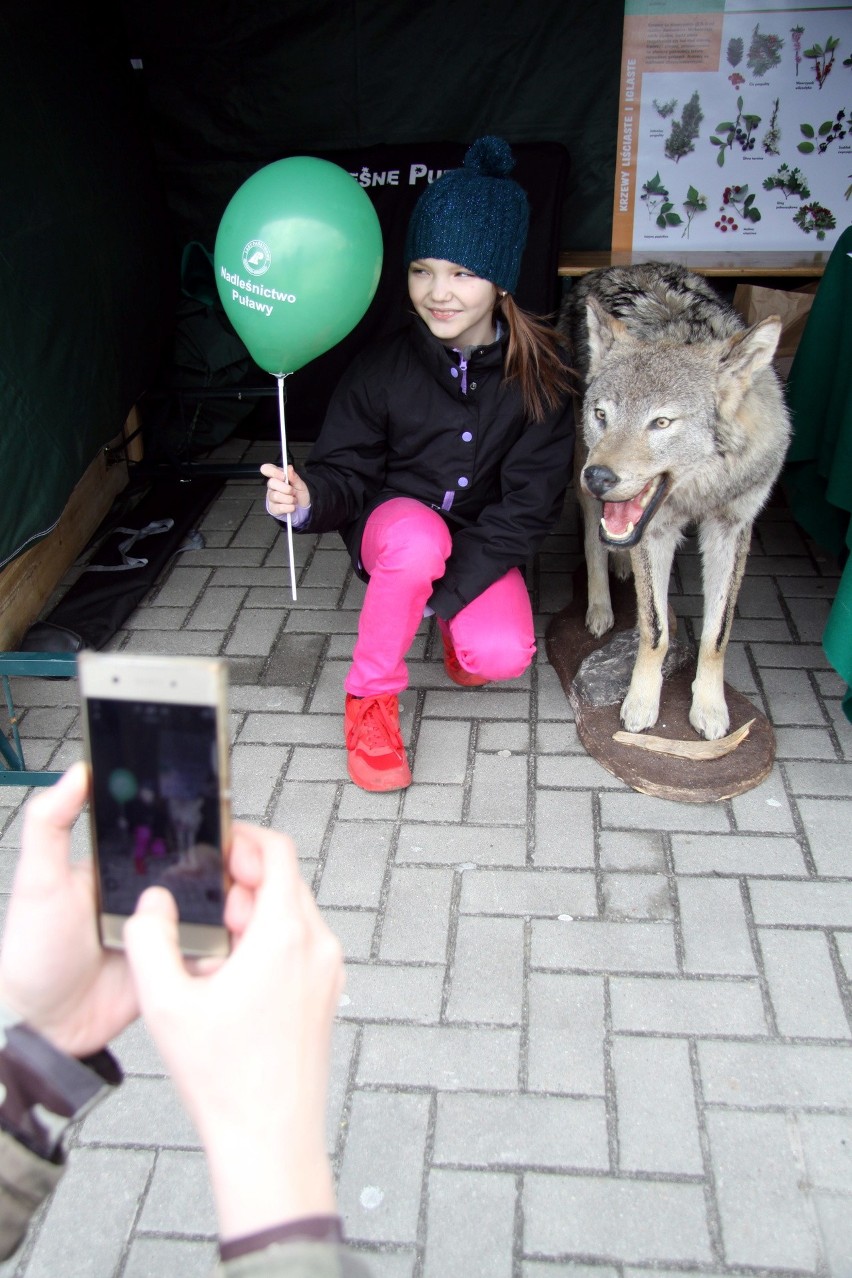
[(660, 423), (600, 414)]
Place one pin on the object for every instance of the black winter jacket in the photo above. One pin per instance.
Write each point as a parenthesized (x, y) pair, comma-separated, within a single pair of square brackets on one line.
[(399, 425)]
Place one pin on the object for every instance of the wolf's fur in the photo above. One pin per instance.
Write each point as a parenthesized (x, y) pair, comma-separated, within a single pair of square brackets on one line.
[(678, 393)]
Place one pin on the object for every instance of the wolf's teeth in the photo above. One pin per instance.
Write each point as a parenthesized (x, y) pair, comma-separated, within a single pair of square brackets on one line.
[(622, 536)]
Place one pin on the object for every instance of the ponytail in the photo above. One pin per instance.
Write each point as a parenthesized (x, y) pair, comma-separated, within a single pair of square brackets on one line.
[(533, 359)]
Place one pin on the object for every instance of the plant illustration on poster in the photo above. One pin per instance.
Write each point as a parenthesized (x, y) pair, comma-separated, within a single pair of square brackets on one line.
[(734, 128)]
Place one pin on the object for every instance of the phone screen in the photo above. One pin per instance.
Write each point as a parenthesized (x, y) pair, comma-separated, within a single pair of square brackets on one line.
[(155, 805)]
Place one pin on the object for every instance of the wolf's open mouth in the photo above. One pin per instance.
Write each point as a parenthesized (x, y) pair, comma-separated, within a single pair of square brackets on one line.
[(623, 522)]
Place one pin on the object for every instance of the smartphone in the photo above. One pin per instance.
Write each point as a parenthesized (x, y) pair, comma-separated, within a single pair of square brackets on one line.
[(156, 739)]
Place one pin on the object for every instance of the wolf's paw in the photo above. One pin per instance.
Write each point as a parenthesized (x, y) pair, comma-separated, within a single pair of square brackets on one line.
[(599, 619), (710, 719), (639, 712)]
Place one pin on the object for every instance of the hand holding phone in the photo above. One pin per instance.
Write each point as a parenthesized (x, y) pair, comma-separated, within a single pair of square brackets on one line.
[(248, 1044), (54, 973), (155, 733)]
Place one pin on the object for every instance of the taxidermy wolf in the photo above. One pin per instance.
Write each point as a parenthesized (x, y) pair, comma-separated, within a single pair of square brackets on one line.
[(684, 423)]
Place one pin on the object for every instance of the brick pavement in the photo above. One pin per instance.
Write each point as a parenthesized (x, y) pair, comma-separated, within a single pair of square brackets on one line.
[(585, 1031)]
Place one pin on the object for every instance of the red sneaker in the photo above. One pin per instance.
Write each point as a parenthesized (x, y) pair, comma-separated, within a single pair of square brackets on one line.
[(455, 669), (376, 754)]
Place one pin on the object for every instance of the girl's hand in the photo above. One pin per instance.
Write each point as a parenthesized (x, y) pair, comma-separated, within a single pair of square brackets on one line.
[(284, 492)]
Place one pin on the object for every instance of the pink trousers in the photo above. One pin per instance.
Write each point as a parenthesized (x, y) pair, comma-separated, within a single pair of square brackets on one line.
[(404, 549)]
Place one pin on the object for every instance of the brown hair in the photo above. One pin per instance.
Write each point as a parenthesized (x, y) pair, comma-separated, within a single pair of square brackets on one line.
[(533, 359)]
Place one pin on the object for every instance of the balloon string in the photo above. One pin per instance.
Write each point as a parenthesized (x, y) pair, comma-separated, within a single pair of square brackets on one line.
[(280, 380)]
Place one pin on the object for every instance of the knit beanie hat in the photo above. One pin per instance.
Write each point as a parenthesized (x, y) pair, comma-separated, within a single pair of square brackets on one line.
[(475, 216)]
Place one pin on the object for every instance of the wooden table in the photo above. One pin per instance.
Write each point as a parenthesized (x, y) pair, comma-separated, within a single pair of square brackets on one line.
[(730, 265)]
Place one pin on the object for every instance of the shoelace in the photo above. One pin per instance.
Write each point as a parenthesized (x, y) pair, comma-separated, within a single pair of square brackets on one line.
[(374, 726)]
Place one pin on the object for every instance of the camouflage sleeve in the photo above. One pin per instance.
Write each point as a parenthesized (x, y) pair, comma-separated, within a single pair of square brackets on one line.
[(42, 1090), (296, 1259)]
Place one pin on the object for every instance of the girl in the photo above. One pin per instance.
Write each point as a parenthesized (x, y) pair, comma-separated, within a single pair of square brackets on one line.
[(443, 460)]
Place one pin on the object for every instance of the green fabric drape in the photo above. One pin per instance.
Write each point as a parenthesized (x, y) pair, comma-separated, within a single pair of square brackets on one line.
[(818, 474)]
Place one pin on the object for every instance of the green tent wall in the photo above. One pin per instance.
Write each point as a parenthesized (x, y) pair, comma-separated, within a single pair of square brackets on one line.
[(108, 171)]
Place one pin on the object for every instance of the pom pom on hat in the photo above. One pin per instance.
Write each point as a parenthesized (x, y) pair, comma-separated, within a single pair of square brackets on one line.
[(476, 216)]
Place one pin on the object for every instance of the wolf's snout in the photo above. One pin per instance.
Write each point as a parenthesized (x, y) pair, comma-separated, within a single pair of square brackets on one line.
[(599, 480)]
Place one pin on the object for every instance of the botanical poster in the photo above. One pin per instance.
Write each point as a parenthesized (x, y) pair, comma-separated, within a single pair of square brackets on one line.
[(734, 126)]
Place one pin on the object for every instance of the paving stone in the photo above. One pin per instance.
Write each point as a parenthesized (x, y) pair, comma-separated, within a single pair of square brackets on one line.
[(826, 1141), (557, 738), (317, 763), (542, 1269), (285, 729), (564, 829), (497, 701), (498, 794), (803, 904), (633, 850), (450, 1058), (636, 896), (179, 1198), (575, 770), (521, 1131), (379, 1187), (470, 1224), (182, 586), (714, 927), (416, 915), (804, 743), (655, 1101), (66, 1242), (382, 991), (737, 854), (826, 824), (758, 1075), (539, 892), (442, 752), (355, 865), (487, 972), (598, 946), (143, 1111), (765, 809), (790, 697), (670, 1006), (389, 1264), (255, 771), (632, 811), (611, 1219), (834, 1218), (303, 811), (512, 736), (566, 1034), (461, 845), (765, 1221), (170, 1258), (422, 801), (354, 929), (217, 608), (802, 984)]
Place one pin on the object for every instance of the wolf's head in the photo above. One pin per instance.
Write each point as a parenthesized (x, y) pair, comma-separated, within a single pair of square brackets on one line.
[(662, 418)]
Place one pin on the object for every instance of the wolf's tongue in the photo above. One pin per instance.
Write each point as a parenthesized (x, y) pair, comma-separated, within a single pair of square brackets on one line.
[(618, 514)]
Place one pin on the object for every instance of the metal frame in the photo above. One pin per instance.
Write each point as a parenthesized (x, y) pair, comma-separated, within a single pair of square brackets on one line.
[(39, 665)]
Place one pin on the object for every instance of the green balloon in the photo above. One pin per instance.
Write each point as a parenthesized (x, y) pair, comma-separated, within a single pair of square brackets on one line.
[(123, 785), (297, 258)]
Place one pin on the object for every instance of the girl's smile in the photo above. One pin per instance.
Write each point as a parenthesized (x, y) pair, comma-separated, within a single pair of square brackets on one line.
[(456, 305)]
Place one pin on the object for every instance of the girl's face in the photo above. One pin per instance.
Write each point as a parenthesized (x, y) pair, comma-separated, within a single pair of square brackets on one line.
[(456, 305)]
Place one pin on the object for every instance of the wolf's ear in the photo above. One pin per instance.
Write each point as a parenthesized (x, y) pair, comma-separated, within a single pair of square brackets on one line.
[(752, 349), (603, 331)]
